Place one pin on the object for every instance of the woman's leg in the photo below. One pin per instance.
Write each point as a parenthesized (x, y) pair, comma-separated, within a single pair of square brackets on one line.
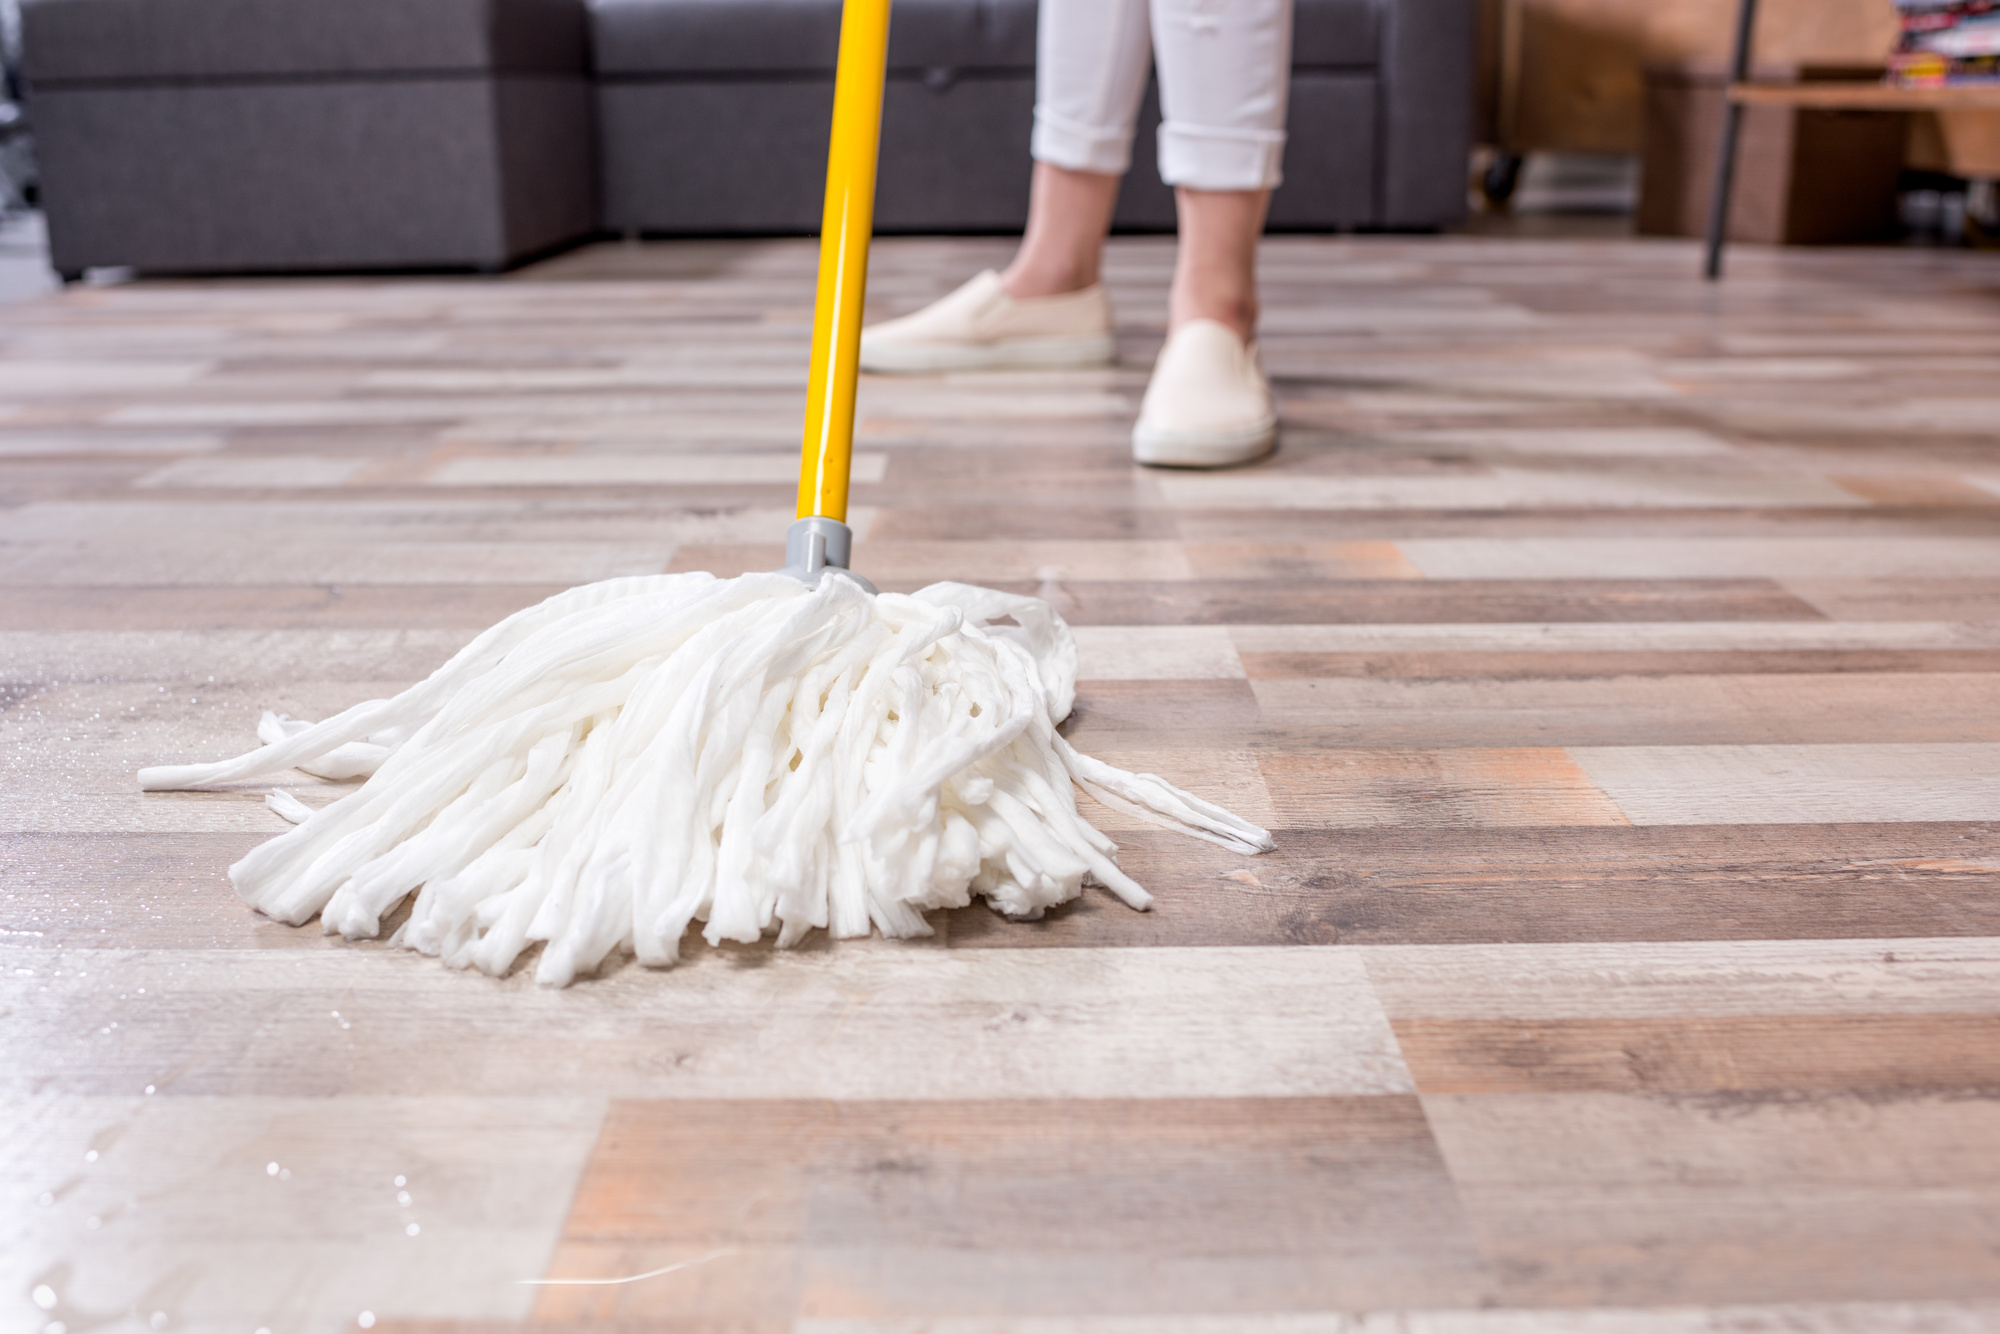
[(1225, 70), (1225, 67), (1069, 214), (1091, 61), (1048, 309), (1215, 271)]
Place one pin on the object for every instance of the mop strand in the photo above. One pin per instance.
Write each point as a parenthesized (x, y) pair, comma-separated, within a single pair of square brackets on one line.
[(628, 757)]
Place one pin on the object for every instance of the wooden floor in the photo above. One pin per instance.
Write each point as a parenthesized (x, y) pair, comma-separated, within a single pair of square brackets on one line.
[(1616, 657)]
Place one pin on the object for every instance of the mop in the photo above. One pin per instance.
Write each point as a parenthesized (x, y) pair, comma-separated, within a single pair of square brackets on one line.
[(772, 753)]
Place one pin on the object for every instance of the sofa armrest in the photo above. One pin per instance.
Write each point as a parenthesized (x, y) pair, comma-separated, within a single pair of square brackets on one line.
[(1427, 74)]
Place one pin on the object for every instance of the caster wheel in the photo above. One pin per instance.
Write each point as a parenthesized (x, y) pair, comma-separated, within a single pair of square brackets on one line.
[(1501, 176)]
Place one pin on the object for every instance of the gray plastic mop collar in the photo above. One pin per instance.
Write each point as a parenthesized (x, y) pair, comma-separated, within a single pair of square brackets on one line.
[(814, 546)]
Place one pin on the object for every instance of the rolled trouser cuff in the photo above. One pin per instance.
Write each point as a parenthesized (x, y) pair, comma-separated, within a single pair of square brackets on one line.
[(1078, 147), (1204, 158)]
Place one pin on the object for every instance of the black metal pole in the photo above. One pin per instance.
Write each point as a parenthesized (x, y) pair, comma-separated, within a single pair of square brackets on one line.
[(1732, 127)]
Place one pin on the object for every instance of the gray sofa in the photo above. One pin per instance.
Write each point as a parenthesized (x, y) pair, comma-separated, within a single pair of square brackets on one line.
[(250, 135), (713, 116), (270, 135)]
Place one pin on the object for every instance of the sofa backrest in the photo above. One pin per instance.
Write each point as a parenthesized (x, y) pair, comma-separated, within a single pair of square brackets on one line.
[(741, 36), (81, 41), (638, 38)]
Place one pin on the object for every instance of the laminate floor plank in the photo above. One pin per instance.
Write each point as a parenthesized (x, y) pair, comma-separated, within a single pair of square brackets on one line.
[(1554, 642), (909, 1020), (1730, 980), (1612, 443), (1887, 557), (1442, 884), (1007, 522), (1945, 596), (1585, 1198), (1018, 1208), (1581, 666), (147, 890), (1304, 601), (1881, 709), (1503, 488), (234, 1211), (1467, 786), (1791, 1054), (1792, 1317), (1787, 784), (251, 606), (1211, 523), (273, 657)]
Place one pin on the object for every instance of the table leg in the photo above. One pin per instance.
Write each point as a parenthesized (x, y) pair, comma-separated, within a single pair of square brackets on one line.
[(1732, 128)]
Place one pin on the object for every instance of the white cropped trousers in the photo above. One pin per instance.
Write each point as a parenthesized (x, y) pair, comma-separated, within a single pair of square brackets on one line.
[(1224, 66)]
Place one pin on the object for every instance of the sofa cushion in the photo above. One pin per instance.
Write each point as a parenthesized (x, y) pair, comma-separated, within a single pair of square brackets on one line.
[(714, 36), (69, 41), (1335, 34), (314, 174), (667, 37)]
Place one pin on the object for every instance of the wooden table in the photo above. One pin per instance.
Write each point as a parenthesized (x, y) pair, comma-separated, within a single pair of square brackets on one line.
[(1809, 97), (1866, 97)]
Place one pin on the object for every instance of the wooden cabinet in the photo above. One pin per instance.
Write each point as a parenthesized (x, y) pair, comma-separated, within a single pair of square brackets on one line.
[(1567, 75), (1959, 143), (1804, 176)]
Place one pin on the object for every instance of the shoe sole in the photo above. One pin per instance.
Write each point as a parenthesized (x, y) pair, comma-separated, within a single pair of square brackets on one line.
[(1011, 354), (1159, 447)]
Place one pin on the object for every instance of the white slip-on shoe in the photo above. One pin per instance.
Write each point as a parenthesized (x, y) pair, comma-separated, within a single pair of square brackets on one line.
[(980, 327), (1209, 405)]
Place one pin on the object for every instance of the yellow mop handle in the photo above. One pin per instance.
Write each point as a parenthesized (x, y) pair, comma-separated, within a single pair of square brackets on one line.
[(843, 258)]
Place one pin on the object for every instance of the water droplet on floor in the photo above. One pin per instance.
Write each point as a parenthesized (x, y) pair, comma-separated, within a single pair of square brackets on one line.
[(403, 1197), (90, 1155), (45, 1297), (270, 1169), (159, 1320), (366, 1320), (402, 1181), (412, 1230)]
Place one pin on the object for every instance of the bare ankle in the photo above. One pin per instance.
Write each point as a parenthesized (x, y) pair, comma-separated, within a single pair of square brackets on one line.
[(1024, 282), (1238, 313), (1069, 213)]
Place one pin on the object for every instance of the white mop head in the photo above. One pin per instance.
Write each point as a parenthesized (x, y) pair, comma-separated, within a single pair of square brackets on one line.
[(598, 771)]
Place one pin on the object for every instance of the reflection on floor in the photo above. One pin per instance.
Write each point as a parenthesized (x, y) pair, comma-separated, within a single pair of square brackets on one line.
[(1618, 658), (24, 258)]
